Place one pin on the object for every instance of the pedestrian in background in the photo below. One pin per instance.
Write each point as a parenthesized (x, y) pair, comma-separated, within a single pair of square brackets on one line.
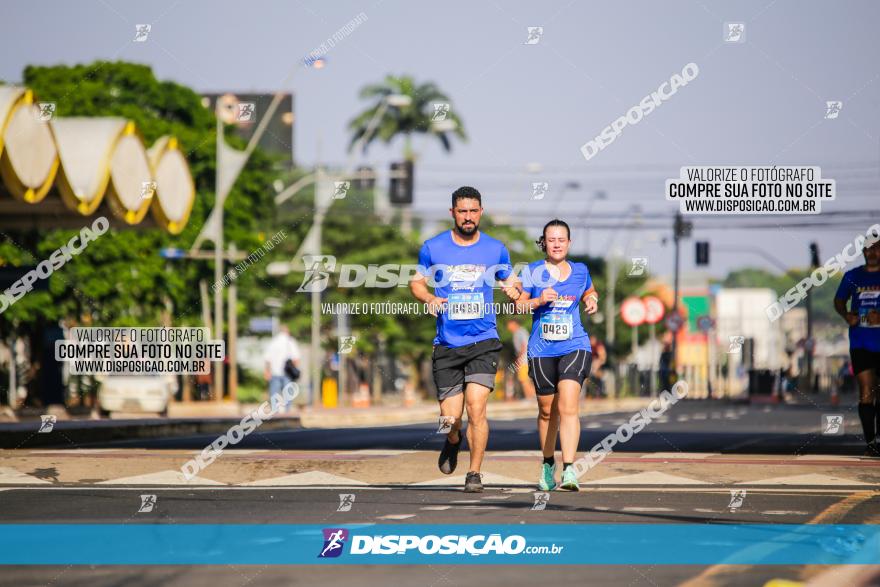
[(282, 359)]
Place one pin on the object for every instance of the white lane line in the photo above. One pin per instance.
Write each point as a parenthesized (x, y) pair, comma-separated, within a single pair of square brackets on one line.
[(682, 418), (496, 497), (646, 509), (700, 416), (436, 508), (704, 510), (396, 517), (166, 477), (810, 479), (307, 478), (465, 501), (488, 479), (593, 425), (648, 478), (784, 513)]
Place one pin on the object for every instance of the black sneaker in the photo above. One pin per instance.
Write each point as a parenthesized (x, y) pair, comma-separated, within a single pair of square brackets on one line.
[(872, 451), (449, 457), (473, 483)]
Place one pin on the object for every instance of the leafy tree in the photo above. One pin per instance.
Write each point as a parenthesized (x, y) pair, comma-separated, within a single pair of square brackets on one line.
[(120, 278), (414, 118)]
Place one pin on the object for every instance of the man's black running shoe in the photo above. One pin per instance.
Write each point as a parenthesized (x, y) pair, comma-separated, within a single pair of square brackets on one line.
[(449, 457)]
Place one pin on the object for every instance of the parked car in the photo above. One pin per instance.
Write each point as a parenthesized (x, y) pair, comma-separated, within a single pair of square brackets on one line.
[(136, 393)]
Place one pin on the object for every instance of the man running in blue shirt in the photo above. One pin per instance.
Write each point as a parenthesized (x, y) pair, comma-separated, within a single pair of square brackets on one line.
[(463, 265), (861, 286)]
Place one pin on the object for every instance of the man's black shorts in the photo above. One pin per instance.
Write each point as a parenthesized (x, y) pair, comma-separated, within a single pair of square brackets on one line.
[(863, 359), (472, 363), (546, 372)]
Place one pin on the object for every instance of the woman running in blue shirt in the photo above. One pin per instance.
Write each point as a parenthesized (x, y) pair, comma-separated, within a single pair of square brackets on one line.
[(559, 348), (861, 286)]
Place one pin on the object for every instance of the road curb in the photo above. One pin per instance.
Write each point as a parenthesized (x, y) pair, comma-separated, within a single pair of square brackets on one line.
[(72, 434)]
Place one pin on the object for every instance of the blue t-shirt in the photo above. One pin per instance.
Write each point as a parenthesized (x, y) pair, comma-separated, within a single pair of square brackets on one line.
[(464, 275), (863, 288), (556, 327)]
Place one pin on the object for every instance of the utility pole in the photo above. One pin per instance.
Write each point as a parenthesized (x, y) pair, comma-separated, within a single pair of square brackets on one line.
[(681, 229), (808, 344), (218, 267)]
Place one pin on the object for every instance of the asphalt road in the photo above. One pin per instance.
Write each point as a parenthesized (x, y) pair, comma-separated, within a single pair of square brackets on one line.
[(689, 426), (737, 431)]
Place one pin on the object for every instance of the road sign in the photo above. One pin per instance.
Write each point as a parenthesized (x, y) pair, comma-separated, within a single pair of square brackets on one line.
[(170, 253), (654, 309), (262, 324), (674, 322), (705, 323), (633, 312)]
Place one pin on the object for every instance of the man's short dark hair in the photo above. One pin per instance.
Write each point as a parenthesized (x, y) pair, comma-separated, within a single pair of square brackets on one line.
[(466, 191)]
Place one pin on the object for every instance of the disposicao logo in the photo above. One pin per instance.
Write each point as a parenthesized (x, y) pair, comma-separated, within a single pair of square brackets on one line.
[(334, 541)]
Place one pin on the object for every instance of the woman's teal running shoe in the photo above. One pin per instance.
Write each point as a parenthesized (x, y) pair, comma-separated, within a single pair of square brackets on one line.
[(569, 480), (547, 482)]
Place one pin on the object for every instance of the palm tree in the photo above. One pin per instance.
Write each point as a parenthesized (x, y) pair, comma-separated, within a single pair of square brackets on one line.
[(419, 116)]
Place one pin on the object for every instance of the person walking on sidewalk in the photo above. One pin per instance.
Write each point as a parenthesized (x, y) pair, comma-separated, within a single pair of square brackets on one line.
[(861, 287), (559, 348), (282, 358), (463, 264)]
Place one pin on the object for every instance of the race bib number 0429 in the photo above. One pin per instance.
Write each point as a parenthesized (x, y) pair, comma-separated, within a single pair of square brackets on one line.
[(556, 326)]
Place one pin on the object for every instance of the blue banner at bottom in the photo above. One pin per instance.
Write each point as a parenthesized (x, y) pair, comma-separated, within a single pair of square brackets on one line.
[(554, 544)]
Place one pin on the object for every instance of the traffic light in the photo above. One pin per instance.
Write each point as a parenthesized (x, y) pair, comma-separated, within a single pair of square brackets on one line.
[(401, 187), (364, 178), (814, 255), (702, 253)]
